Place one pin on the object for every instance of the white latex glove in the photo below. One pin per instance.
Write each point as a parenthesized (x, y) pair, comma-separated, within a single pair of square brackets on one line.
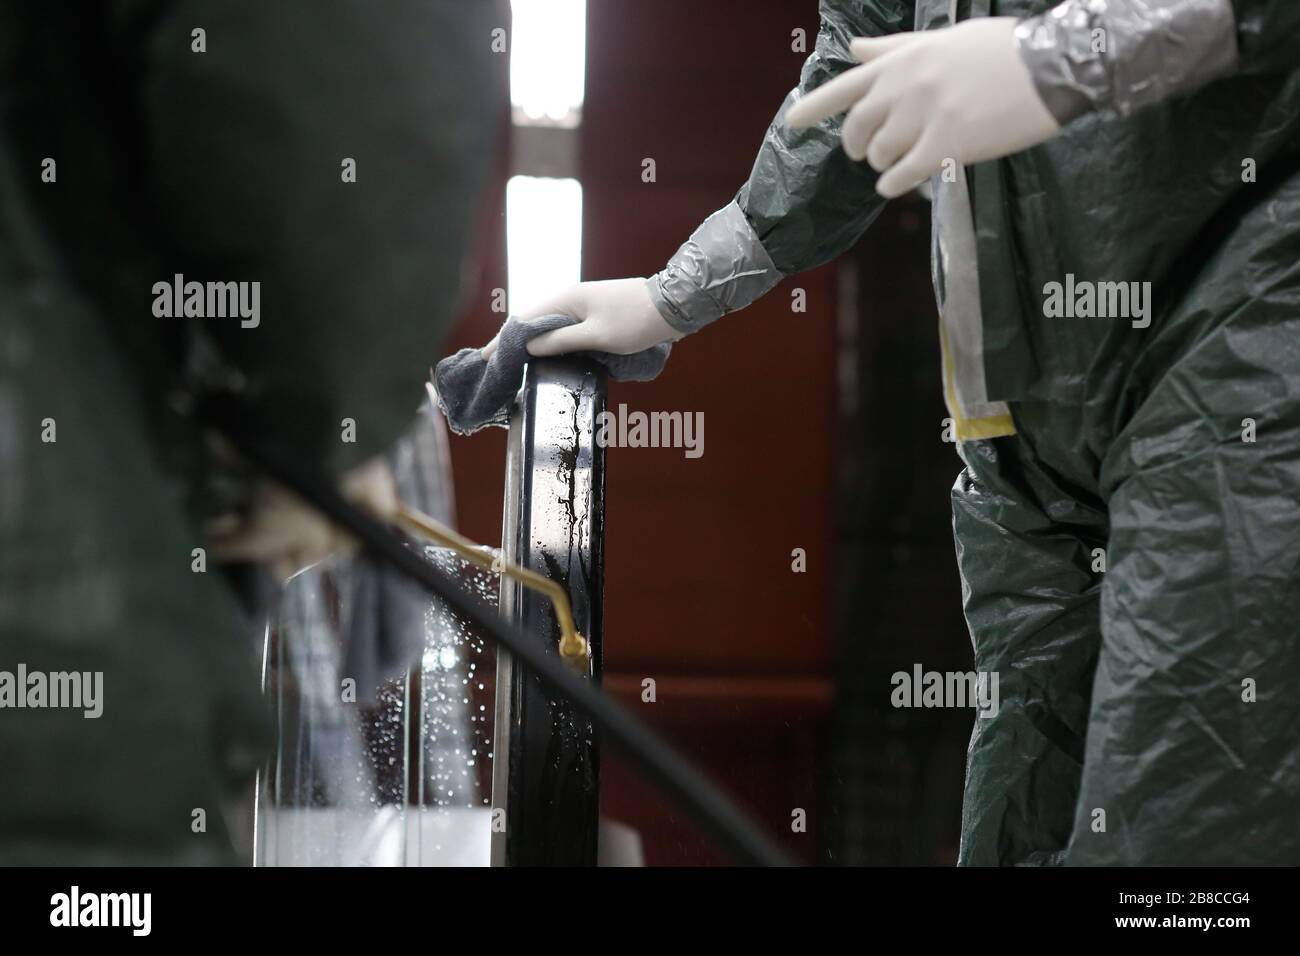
[(961, 93), (284, 533), (616, 316)]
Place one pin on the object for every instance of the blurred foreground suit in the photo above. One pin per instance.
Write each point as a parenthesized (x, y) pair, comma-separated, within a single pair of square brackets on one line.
[(223, 165)]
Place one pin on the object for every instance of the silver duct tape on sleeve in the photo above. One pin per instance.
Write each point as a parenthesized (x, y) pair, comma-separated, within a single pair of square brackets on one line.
[(721, 268), (1123, 55)]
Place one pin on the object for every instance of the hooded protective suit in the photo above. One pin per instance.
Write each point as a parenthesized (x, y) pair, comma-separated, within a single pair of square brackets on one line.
[(139, 140), (1120, 316)]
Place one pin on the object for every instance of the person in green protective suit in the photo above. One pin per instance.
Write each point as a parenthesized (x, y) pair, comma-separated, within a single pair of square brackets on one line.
[(336, 159), (1117, 267)]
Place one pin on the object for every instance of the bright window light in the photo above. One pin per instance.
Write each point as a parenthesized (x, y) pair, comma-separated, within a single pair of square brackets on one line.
[(547, 61), (543, 238)]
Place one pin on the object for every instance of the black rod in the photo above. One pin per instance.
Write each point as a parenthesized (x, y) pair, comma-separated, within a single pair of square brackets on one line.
[(713, 812)]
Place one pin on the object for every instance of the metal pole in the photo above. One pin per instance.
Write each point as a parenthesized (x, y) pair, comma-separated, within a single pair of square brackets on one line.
[(546, 775)]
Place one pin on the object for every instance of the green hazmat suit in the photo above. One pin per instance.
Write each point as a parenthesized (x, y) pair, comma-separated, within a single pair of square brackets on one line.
[(141, 140), (1128, 519)]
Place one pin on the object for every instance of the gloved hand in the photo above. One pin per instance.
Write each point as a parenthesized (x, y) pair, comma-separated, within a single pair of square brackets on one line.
[(960, 93), (284, 533), (616, 316)]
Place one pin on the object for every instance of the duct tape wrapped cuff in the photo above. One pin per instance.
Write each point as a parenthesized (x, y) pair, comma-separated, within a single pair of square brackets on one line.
[(722, 267), (1122, 55)]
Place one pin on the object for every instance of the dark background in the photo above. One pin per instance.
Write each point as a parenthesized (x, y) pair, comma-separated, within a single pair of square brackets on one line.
[(822, 432)]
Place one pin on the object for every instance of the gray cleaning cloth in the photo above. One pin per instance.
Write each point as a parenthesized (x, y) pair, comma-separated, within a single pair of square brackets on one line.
[(474, 392)]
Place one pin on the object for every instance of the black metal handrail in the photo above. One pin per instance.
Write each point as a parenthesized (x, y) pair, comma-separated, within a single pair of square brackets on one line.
[(547, 770)]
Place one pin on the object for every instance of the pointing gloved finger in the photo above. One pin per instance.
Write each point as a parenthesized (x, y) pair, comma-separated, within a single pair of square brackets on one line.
[(830, 98), (867, 49)]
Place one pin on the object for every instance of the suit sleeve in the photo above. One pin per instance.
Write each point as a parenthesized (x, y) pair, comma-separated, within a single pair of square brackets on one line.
[(805, 201), (1120, 56)]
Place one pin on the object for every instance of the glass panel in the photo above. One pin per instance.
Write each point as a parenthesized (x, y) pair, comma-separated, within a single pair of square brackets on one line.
[(393, 774)]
